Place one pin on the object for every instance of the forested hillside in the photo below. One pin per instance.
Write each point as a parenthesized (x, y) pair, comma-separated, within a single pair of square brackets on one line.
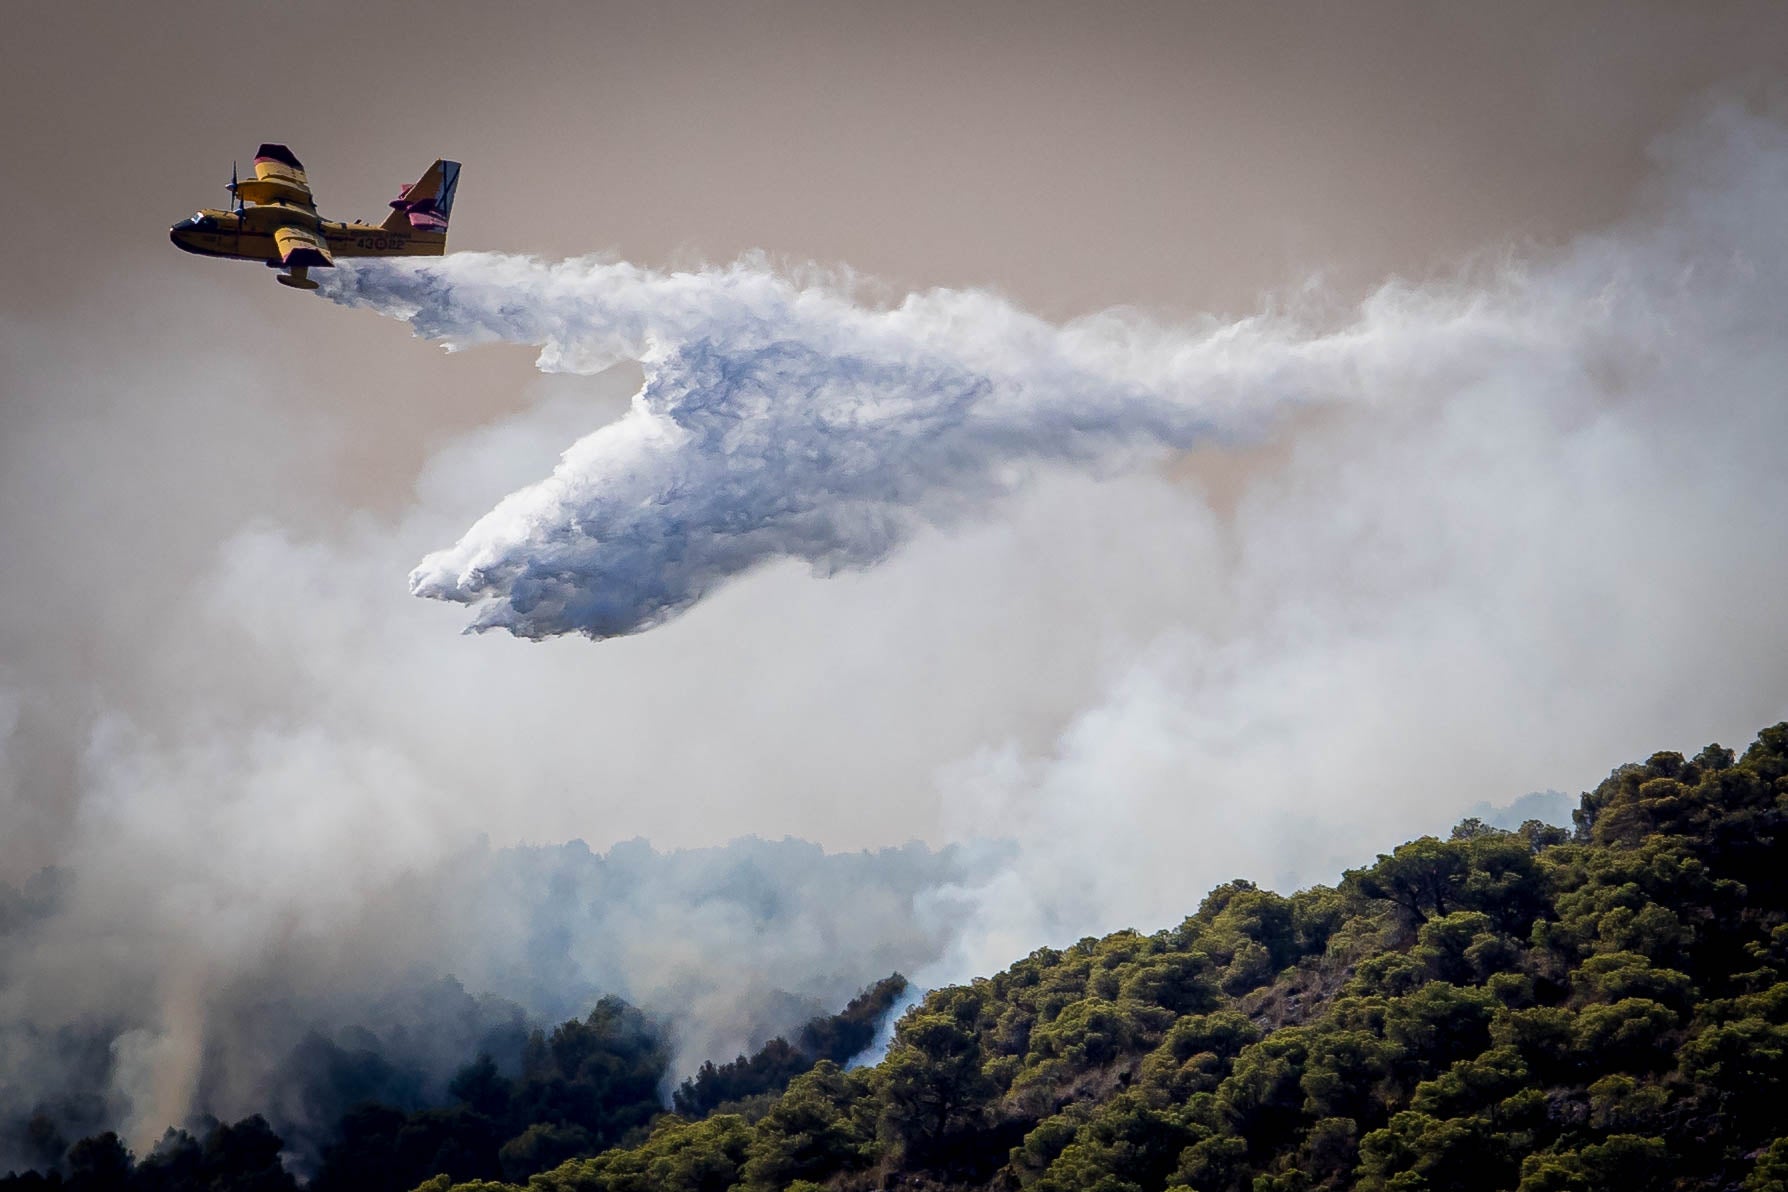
[(1536, 1009), (1543, 1009)]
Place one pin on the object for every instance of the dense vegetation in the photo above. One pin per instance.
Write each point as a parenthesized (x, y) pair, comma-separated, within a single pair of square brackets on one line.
[(1543, 1009), (582, 1088), (1537, 1009)]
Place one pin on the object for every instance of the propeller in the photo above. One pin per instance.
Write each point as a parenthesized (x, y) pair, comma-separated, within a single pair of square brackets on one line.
[(235, 202)]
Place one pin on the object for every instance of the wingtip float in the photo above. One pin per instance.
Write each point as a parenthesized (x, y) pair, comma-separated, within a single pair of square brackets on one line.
[(273, 219)]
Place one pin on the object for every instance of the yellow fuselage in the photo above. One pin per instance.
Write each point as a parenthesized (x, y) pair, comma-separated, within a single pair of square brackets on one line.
[(248, 235)]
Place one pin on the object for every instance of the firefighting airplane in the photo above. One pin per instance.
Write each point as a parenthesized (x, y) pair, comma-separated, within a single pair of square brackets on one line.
[(273, 219)]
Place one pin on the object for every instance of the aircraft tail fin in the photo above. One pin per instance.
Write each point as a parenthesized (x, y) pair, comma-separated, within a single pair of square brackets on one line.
[(425, 205)]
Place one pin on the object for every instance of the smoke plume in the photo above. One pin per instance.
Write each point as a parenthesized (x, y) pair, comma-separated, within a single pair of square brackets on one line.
[(1465, 497)]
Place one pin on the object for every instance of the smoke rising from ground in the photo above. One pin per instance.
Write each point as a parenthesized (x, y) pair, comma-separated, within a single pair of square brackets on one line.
[(1474, 540), (1558, 512), (729, 946), (1551, 468)]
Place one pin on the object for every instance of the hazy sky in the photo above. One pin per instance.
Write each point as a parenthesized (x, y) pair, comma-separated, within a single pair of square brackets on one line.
[(1533, 541), (1179, 157)]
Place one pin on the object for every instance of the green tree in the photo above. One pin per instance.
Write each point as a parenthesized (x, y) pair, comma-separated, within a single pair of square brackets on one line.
[(1623, 1163), (1127, 1145), (933, 1084), (1421, 879), (1451, 1155), (810, 1133), (543, 1146)]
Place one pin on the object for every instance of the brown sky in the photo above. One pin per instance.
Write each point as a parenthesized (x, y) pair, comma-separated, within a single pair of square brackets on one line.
[(1182, 157)]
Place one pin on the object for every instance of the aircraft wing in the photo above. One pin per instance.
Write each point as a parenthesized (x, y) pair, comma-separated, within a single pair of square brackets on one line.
[(283, 175), (301, 246)]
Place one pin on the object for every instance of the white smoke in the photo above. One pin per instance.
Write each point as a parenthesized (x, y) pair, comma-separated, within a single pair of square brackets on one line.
[(1563, 528), (884, 1030), (1513, 510)]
